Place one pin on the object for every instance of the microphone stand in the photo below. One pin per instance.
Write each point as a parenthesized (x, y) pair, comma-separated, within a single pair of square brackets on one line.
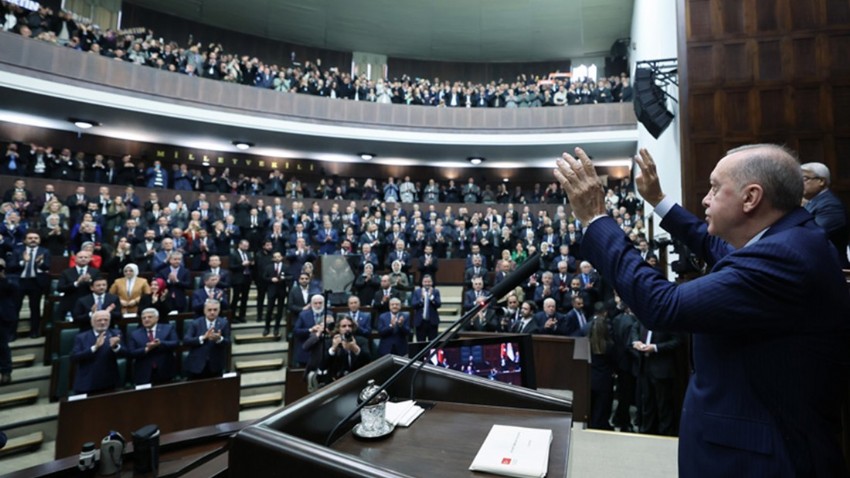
[(445, 336)]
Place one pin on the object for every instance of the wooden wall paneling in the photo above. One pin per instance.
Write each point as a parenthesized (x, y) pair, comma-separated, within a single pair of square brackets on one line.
[(769, 58), (736, 63), (699, 19), (808, 110), (805, 14), (732, 17), (837, 12), (839, 55), (840, 102), (703, 113), (703, 68), (804, 58), (773, 109), (812, 148), (841, 168), (738, 113), (767, 14)]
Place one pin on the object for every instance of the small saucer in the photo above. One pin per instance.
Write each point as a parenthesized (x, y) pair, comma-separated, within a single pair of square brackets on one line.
[(375, 435)]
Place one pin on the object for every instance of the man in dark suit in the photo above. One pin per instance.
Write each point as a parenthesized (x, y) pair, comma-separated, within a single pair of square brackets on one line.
[(399, 254), (769, 320), (526, 323), (152, 347), (298, 256), (77, 204), (32, 264), (277, 278), (655, 352), (177, 279), (210, 290), (826, 207), (262, 259), (96, 353), (241, 269), (549, 321), (428, 262), (381, 299), (225, 279), (98, 299), (362, 319), (74, 282), (308, 320), (144, 251), (326, 238), (425, 302), (394, 329), (208, 339), (575, 323), (349, 350), (477, 293)]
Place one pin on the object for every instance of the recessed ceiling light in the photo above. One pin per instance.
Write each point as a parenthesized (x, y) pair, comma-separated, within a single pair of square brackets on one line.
[(504, 180), (366, 156), (242, 145), (83, 123), (476, 160)]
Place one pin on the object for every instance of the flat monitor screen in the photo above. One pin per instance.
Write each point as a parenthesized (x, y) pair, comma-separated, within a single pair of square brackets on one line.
[(505, 358)]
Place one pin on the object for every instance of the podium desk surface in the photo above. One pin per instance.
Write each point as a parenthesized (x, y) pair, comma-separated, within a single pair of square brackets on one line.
[(444, 440)]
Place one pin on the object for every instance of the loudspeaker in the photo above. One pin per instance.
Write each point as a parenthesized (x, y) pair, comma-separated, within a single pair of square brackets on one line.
[(650, 103)]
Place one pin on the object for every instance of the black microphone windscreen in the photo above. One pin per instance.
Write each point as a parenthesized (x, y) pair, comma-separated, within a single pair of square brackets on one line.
[(515, 278)]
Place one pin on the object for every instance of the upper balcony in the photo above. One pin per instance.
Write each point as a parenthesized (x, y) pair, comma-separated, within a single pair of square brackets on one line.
[(45, 81)]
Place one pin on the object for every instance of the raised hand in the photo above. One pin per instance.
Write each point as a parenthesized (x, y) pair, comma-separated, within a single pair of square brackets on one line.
[(648, 184), (579, 180)]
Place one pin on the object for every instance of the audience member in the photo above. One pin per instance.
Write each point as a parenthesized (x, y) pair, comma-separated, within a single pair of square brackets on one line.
[(208, 339), (130, 289), (152, 347), (426, 303), (394, 329), (31, 263), (826, 207), (95, 354)]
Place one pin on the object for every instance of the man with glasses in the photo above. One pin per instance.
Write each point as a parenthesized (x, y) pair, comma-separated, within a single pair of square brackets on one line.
[(825, 206)]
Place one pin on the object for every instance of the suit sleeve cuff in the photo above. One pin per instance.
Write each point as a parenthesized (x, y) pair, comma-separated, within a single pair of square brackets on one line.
[(662, 208)]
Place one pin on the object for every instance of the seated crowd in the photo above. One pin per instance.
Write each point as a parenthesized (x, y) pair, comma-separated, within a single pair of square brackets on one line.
[(310, 78), (162, 255)]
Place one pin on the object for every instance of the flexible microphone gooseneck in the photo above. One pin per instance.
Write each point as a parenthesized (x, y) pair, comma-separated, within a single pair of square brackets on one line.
[(509, 283)]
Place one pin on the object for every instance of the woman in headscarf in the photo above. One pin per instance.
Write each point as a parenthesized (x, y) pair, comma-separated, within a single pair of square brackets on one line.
[(158, 298), (130, 289)]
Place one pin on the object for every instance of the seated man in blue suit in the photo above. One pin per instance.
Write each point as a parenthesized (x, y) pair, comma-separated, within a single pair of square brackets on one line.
[(394, 329), (425, 302), (362, 319), (208, 339), (826, 207), (152, 346), (769, 321), (96, 353)]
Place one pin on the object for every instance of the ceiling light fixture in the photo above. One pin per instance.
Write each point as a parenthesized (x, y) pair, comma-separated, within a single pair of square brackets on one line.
[(476, 160), (366, 156), (242, 145), (83, 123)]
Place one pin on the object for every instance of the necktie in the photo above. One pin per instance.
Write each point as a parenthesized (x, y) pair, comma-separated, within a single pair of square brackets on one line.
[(425, 297), (581, 320), (100, 302), (150, 335), (277, 269), (31, 264)]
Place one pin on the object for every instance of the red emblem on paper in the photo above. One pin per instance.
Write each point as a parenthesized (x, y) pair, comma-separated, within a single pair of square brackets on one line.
[(506, 461)]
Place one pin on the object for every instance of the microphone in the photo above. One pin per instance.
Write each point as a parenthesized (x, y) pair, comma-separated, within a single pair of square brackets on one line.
[(509, 283)]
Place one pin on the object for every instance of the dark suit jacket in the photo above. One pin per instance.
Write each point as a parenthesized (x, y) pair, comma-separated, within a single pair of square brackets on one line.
[(393, 339), (16, 266), (177, 290), (200, 296), (660, 364), (530, 328), (71, 292), (379, 305), (162, 356), (98, 370), (769, 346), (301, 332), (830, 214), (200, 354), (418, 304), (83, 306)]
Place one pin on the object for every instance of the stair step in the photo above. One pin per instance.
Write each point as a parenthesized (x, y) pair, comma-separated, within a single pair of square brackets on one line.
[(261, 400), (28, 442), (450, 310), (23, 360), (255, 337), (29, 395), (246, 366)]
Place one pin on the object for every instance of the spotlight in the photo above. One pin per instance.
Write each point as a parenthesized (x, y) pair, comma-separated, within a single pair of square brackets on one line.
[(83, 123), (366, 156), (242, 145), (504, 180), (475, 160)]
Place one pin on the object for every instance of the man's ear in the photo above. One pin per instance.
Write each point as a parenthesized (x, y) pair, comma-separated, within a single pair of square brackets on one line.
[(752, 197)]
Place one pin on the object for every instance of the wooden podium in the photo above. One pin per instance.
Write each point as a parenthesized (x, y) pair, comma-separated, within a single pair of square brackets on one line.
[(442, 442)]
